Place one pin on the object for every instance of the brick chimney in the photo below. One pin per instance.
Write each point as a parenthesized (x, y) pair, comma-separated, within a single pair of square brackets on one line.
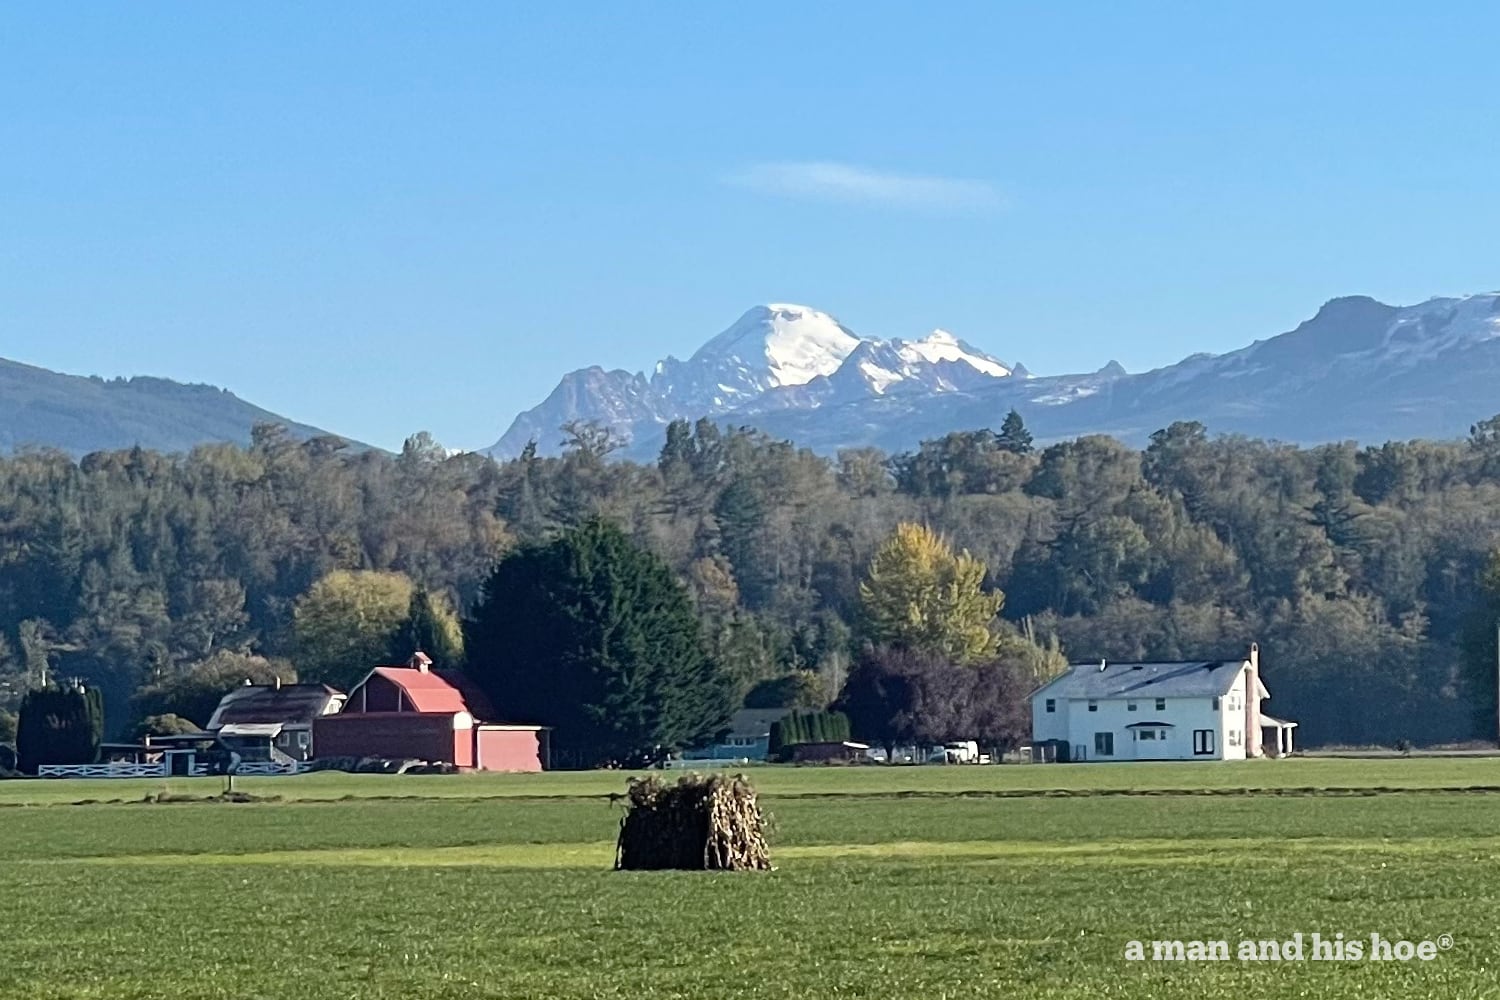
[(1252, 703)]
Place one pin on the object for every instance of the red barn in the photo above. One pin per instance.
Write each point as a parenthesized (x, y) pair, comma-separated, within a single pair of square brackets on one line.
[(425, 714)]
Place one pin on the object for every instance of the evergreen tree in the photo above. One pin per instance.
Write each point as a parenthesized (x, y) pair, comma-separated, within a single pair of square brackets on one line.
[(1478, 644), (919, 595), (59, 725), (740, 513), (432, 627), (590, 634), (1014, 437)]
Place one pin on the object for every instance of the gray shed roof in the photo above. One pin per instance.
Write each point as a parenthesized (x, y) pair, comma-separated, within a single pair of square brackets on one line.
[(753, 723), (1190, 679), (285, 703)]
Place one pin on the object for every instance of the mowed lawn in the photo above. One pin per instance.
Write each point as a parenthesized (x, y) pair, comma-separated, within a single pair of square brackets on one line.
[(891, 883)]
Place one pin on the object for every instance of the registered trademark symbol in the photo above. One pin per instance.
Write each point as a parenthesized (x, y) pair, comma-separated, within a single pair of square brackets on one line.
[(1445, 941)]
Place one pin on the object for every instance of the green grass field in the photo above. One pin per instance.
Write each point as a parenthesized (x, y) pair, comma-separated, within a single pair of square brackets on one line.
[(891, 883)]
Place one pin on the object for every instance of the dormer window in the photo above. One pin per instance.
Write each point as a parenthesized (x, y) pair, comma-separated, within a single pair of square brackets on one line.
[(1161, 704)]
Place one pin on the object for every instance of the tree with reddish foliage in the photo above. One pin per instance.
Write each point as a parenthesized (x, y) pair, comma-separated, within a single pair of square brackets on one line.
[(999, 707), (900, 696)]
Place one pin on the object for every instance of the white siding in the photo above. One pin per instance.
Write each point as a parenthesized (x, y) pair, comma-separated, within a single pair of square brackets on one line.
[(1047, 725), (1071, 720)]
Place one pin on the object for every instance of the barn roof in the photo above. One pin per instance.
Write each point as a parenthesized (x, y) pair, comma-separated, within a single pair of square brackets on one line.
[(267, 703), (436, 691), (1186, 679)]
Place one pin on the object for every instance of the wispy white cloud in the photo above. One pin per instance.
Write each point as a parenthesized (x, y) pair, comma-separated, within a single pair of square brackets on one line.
[(828, 181)]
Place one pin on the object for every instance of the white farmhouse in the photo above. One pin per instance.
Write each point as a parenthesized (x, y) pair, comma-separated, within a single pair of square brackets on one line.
[(1198, 710)]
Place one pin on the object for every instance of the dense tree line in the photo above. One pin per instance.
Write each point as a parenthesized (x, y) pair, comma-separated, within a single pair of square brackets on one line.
[(1360, 570)]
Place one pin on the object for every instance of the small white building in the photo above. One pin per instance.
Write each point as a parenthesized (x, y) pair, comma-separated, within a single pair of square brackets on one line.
[(1195, 710)]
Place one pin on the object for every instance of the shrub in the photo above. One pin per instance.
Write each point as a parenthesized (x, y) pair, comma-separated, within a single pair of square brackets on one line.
[(162, 725), (807, 727)]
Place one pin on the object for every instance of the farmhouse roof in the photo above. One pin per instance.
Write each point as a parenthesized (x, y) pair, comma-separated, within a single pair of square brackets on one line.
[(269, 703), (1187, 679)]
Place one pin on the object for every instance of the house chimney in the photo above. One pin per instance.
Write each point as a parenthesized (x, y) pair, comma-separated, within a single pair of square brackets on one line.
[(420, 661), (278, 682), (1252, 703), (1102, 665)]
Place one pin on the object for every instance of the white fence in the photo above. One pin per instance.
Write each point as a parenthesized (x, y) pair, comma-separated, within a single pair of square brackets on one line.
[(112, 770), (121, 770)]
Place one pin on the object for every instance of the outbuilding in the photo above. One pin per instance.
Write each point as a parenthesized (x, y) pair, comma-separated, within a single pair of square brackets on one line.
[(272, 722), (416, 712)]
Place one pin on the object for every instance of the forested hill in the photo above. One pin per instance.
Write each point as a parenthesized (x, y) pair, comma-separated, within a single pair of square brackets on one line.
[(1359, 570), (78, 415)]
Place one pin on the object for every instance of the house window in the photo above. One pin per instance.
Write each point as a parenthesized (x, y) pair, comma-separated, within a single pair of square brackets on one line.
[(1161, 704), (304, 738), (1104, 744), (1216, 704), (1203, 741), (1051, 704), (1148, 734), (1233, 738), (1130, 706), (1093, 706)]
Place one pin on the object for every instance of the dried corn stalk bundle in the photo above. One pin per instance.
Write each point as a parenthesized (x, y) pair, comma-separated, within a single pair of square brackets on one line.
[(699, 824)]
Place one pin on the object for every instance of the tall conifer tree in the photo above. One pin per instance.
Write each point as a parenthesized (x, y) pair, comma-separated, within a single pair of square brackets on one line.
[(592, 635)]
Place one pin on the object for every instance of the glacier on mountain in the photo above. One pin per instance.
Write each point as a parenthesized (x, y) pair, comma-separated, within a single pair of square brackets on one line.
[(1358, 369), (775, 356)]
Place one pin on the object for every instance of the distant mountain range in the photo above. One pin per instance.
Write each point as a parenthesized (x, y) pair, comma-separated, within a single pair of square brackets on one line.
[(1359, 370), (79, 415)]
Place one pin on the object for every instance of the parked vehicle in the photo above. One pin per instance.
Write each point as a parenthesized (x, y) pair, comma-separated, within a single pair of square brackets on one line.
[(961, 752)]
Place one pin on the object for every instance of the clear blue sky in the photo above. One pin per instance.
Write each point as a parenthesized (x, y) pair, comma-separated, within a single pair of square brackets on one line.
[(386, 218)]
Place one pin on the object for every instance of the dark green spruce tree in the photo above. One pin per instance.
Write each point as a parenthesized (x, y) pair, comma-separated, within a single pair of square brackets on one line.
[(1014, 437), (593, 636), (426, 630)]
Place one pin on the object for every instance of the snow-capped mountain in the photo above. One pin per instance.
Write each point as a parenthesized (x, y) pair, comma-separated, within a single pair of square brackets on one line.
[(777, 356), (769, 347), (1359, 369)]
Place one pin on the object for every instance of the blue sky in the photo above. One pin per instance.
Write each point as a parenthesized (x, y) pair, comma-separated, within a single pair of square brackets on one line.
[(387, 218)]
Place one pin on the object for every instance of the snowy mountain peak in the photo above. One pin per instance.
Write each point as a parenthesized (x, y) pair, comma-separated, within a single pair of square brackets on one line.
[(778, 344), (776, 356), (940, 345), (1358, 369)]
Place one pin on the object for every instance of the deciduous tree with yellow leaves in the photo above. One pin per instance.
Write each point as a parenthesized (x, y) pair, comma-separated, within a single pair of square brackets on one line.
[(920, 595)]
